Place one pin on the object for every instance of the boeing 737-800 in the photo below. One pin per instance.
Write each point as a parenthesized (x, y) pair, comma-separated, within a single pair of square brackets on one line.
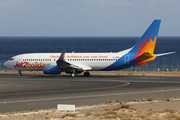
[(75, 63)]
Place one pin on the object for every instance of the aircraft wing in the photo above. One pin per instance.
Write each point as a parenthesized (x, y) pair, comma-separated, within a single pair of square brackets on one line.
[(66, 66)]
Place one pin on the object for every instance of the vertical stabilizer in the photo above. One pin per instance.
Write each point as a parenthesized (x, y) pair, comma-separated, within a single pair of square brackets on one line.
[(148, 41)]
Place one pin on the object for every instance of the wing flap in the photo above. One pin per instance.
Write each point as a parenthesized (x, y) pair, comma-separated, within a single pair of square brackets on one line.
[(83, 66)]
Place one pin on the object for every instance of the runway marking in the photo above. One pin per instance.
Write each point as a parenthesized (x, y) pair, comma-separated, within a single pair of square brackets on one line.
[(75, 97), (145, 81), (127, 83)]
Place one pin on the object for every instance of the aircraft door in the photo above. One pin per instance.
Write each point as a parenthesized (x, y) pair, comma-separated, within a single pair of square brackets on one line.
[(127, 59)]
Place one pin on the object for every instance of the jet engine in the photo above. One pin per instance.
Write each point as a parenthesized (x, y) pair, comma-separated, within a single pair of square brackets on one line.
[(51, 69)]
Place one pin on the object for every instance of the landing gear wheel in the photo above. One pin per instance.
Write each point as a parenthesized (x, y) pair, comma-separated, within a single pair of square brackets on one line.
[(74, 74), (86, 74), (19, 74)]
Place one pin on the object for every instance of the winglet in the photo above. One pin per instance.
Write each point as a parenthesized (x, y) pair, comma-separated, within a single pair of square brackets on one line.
[(62, 54)]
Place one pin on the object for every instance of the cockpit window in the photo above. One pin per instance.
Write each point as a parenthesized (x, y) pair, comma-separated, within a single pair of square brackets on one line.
[(11, 59)]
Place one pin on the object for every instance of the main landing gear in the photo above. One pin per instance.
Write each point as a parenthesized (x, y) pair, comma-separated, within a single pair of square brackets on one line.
[(19, 74), (74, 73), (86, 74)]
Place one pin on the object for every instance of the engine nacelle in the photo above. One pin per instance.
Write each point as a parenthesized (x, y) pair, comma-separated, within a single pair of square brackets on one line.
[(51, 69)]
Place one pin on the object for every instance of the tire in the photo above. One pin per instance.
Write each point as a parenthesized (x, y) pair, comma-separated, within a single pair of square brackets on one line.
[(19, 74), (86, 74), (74, 74)]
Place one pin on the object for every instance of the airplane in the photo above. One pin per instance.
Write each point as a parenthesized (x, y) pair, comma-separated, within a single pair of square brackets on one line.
[(76, 63)]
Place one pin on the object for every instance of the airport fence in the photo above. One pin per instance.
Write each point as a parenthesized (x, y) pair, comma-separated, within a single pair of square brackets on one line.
[(146, 67), (2, 67), (155, 67)]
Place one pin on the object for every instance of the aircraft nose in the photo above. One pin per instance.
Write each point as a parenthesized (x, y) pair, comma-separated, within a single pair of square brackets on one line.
[(6, 64)]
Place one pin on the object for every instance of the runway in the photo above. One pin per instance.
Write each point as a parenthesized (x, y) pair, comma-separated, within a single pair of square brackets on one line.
[(39, 91)]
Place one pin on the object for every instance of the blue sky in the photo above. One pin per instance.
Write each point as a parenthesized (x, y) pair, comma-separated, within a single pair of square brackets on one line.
[(87, 17)]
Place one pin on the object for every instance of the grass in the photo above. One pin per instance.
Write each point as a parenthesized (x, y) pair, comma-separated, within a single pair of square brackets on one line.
[(130, 73), (144, 99), (107, 109), (68, 115), (111, 112), (170, 99), (137, 100), (124, 107), (97, 114), (133, 114), (150, 99), (89, 113)]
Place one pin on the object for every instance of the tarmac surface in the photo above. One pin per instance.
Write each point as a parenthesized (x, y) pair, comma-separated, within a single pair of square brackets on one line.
[(39, 91)]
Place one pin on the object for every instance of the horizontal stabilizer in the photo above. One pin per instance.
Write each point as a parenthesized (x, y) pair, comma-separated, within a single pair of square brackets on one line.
[(157, 55), (146, 55)]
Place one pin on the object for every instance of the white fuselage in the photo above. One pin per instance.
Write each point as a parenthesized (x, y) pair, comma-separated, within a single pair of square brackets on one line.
[(88, 61)]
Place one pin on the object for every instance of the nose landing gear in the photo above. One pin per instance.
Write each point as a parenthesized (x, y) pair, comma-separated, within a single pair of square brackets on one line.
[(19, 74)]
